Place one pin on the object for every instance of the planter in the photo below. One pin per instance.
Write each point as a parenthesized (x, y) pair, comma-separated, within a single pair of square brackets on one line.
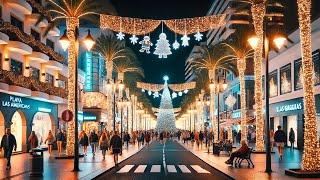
[(298, 173)]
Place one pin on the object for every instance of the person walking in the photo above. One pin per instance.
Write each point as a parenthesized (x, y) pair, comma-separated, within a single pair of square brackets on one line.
[(93, 139), (33, 140), (161, 138), (201, 137), (280, 139), (60, 139), (134, 137), (127, 139), (196, 138), (116, 146), (84, 142), (292, 138), (8, 144), (148, 138), (50, 140), (104, 144)]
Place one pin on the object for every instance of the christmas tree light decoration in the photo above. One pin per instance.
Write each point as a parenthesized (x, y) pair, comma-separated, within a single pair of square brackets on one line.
[(166, 118), (186, 91), (198, 36), (180, 93), (185, 40), (162, 47), (134, 39), (120, 36), (174, 95), (145, 44), (175, 45)]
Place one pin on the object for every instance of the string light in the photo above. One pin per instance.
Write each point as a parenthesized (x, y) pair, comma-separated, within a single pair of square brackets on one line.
[(241, 65), (258, 13), (310, 158)]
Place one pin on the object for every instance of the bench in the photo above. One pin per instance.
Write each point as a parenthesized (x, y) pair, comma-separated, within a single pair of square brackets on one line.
[(247, 157), (217, 148)]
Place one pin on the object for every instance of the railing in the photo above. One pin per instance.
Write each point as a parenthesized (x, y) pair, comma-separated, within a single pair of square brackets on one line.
[(39, 9), (16, 34), (33, 84)]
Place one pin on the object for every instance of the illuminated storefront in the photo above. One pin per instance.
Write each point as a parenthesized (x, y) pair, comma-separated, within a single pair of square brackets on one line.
[(24, 115)]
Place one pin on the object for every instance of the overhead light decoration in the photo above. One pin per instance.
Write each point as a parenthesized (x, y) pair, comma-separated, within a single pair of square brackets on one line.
[(185, 40), (198, 36), (186, 91), (143, 90), (120, 36), (174, 95), (162, 46), (134, 39), (149, 93), (145, 44), (180, 93), (175, 45)]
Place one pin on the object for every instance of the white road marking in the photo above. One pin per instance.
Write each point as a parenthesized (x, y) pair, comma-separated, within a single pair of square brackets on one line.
[(140, 169), (184, 169), (199, 169), (171, 169), (155, 168), (125, 169)]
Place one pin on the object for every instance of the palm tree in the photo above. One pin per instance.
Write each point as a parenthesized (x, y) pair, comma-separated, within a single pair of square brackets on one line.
[(112, 50), (239, 51), (309, 162), (210, 59)]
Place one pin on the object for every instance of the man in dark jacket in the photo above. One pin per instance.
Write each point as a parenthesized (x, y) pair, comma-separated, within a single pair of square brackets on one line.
[(8, 143), (116, 146), (280, 139), (94, 139)]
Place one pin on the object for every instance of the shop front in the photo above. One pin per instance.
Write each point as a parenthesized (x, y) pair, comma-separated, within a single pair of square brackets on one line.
[(92, 120), (24, 115)]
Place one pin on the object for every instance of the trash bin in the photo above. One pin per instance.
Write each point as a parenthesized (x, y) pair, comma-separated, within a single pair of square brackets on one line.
[(36, 162)]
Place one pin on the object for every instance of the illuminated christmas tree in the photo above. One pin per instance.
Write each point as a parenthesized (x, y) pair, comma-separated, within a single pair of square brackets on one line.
[(162, 46)]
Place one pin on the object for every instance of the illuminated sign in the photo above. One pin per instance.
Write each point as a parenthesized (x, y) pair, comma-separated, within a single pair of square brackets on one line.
[(89, 117), (290, 107), (44, 110), (236, 115), (15, 102)]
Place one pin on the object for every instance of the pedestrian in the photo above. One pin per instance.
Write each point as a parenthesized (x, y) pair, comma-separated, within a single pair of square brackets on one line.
[(50, 140), (196, 138), (134, 137), (8, 143), (147, 137), (33, 140), (104, 144), (239, 136), (201, 137), (280, 139), (291, 138), (116, 146), (93, 139), (161, 138), (60, 139), (271, 139), (84, 142), (127, 139), (142, 138)]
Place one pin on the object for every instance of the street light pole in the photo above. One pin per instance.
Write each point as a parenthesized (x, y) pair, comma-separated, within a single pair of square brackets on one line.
[(114, 105), (76, 141)]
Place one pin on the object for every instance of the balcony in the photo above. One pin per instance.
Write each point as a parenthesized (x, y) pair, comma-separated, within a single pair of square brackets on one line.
[(4, 39), (39, 9), (16, 35), (19, 47), (29, 86), (21, 6)]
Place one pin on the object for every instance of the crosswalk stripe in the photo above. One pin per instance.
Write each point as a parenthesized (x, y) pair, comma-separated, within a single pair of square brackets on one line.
[(125, 169), (140, 169), (184, 169), (199, 169), (155, 168), (171, 169)]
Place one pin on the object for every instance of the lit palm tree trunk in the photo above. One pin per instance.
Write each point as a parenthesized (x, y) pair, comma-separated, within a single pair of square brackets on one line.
[(241, 65), (258, 13), (212, 104), (72, 24), (309, 162)]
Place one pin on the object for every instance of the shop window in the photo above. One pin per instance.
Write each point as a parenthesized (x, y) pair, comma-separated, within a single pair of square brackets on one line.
[(285, 79), (16, 22), (35, 73), (16, 129), (273, 83), (35, 34), (49, 79), (16, 67), (62, 84), (50, 43), (41, 125)]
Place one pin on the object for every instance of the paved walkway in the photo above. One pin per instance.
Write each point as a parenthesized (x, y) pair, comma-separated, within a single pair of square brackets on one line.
[(62, 169), (292, 159)]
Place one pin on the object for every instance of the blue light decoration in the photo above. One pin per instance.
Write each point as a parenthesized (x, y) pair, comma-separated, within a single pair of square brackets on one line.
[(88, 74), (165, 78), (89, 118), (46, 110)]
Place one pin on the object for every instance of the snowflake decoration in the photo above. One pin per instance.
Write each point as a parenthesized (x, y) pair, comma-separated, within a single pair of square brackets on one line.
[(185, 40), (120, 36), (180, 93), (134, 39), (198, 36), (230, 101), (186, 91), (149, 93), (145, 44), (175, 45)]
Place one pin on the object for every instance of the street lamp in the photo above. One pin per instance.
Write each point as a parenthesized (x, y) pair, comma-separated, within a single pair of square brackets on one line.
[(88, 42), (278, 41)]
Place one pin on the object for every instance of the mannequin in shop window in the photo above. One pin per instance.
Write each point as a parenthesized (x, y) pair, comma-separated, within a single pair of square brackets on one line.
[(292, 137), (50, 140)]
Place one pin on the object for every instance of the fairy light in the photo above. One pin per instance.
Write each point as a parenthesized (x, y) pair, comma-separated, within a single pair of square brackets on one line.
[(258, 13), (309, 162), (241, 65)]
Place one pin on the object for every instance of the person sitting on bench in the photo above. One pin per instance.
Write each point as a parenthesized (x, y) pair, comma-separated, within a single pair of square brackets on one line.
[(238, 153)]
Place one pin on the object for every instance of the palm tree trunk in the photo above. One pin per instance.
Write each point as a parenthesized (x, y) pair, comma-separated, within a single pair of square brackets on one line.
[(309, 162), (258, 13), (241, 65), (214, 121), (72, 24)]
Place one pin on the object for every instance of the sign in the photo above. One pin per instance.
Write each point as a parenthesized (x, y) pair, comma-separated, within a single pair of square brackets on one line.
[(236, 115), (290, 107), (15, 102), (67, 115)]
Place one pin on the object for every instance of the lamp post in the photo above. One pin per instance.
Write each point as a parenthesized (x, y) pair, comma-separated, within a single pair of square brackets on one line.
[(88, 41), (278, 42)]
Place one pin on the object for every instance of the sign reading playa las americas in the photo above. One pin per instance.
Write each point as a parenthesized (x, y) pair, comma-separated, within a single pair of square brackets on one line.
[(15, 102)]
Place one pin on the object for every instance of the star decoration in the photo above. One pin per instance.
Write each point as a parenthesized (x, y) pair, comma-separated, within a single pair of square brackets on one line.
[(120, 36), (134, 39), (175, 45), (185, 40), (198, 36)]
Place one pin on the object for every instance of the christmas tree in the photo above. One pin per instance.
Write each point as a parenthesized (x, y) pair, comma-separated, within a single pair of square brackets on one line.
[(162, 46), (166, 118)]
